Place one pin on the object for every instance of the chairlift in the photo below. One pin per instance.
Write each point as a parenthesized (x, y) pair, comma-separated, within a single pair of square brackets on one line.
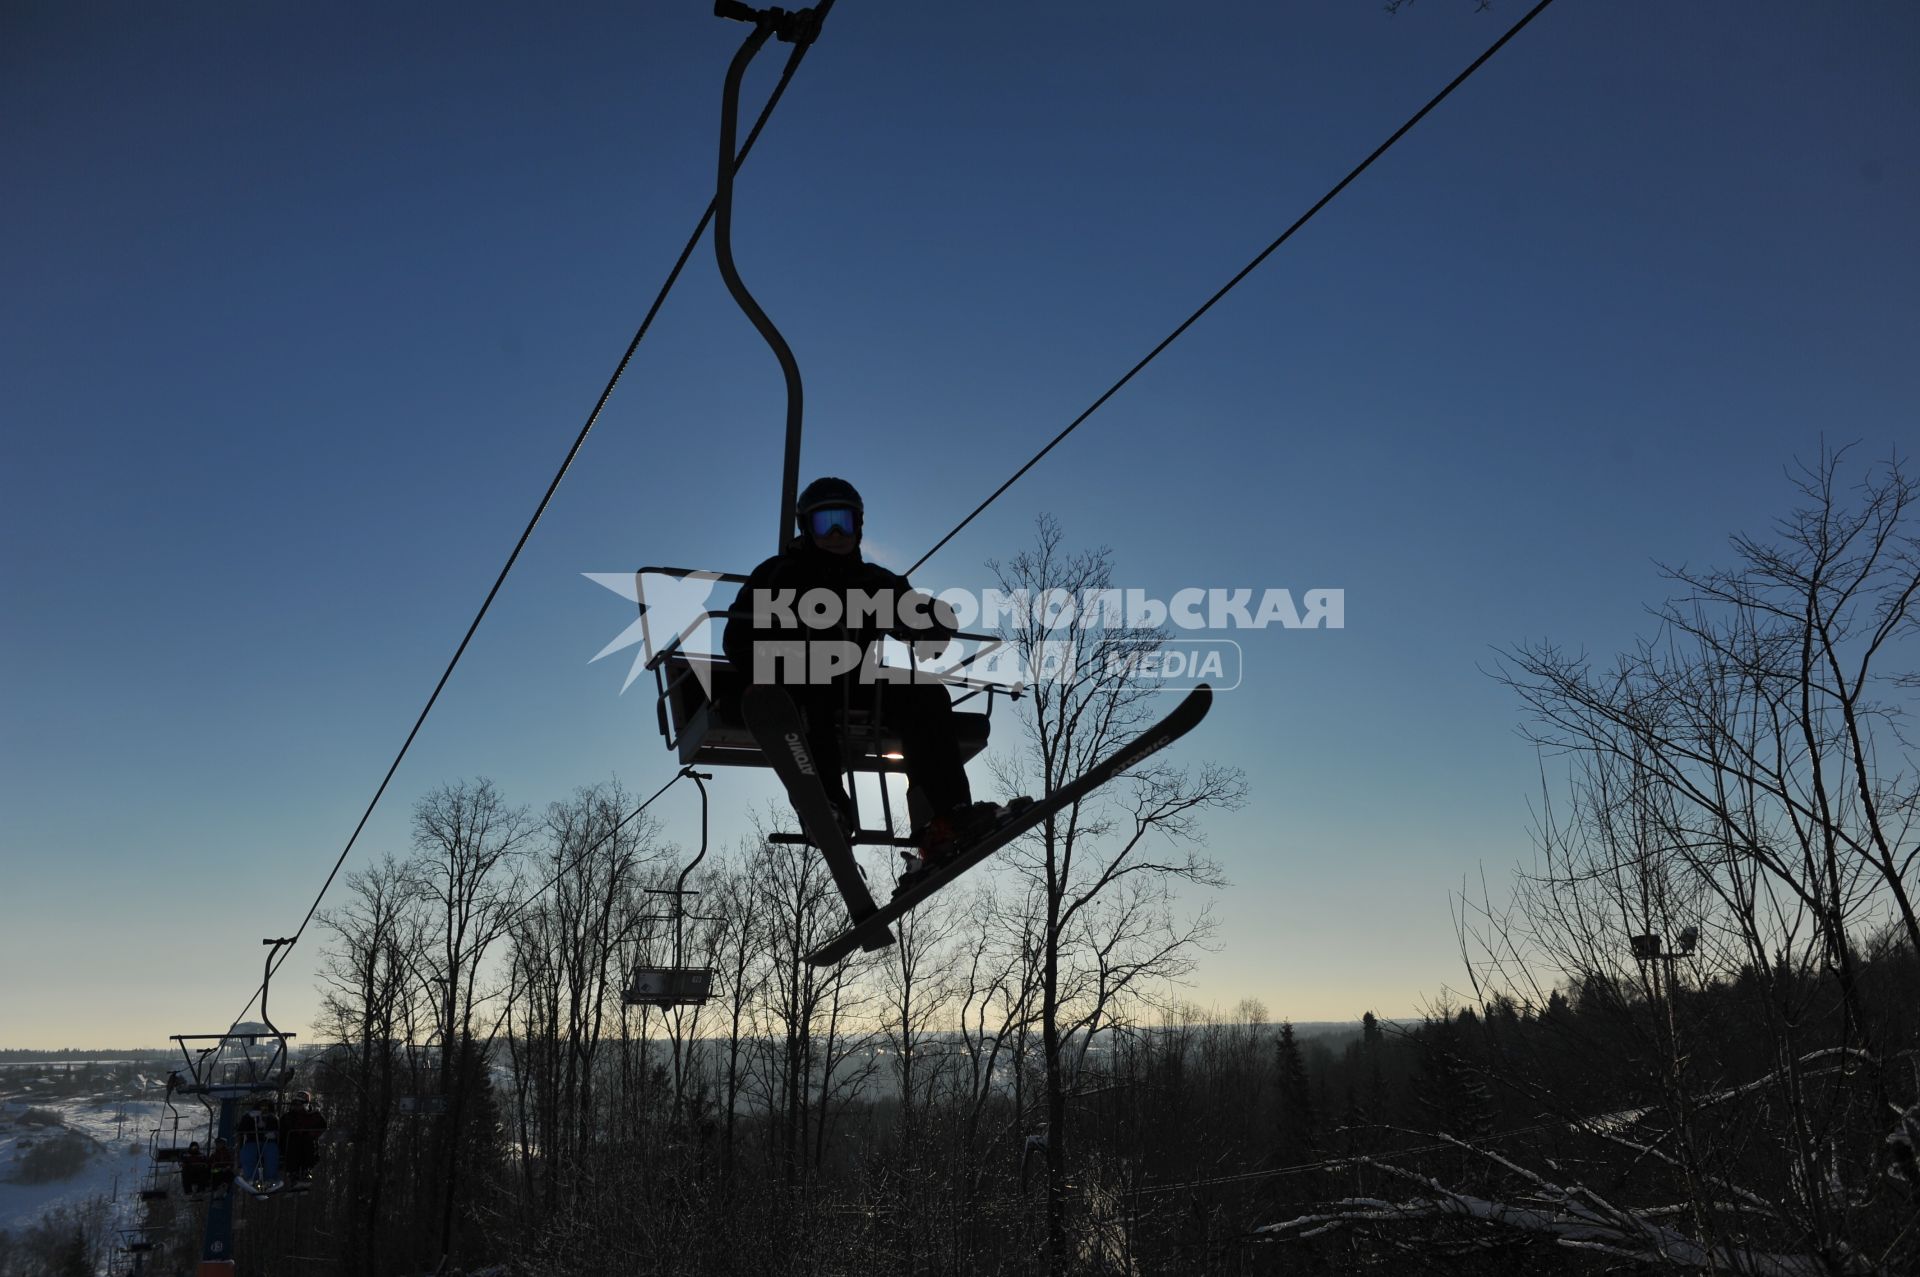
[(677, 984), (697, 707), (172, 1154), (250, 1061), (245, 1060), (169, 1125), (698, 692), (137, 1241)]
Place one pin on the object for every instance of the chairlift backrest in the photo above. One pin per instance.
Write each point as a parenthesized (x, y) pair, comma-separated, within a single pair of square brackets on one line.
[(665, 987), (236, 1063)]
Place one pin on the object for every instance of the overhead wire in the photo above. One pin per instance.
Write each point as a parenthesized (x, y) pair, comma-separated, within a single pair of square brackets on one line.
[(792, 65), (1229, 286), (686, 253), (592, 847)]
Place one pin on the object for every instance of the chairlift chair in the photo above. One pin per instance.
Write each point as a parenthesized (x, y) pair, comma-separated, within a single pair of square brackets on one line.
[(665, 987), (678, 984), (242, 1061), (697, 693), (245, 1060), (698, 696)]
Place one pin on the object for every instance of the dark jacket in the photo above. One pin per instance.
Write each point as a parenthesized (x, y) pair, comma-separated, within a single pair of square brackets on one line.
[(302, 1126), (803, 566)]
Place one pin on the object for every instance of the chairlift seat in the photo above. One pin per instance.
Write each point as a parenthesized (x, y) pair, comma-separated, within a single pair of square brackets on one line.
[(665, 987), (709, 731)]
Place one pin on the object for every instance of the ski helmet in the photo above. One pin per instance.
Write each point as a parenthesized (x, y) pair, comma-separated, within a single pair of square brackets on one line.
[(825, 492)]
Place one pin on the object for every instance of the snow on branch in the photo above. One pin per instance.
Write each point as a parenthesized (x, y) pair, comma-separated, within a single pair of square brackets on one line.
[(1575, 1217), (1845, 1053)]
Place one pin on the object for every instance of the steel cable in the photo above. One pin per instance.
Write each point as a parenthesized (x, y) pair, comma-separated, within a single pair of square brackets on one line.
[(1228, 287), (793, 64)]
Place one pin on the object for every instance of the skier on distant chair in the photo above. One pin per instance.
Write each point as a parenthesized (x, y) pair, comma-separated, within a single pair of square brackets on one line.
[(811, 619), (300, 1132)]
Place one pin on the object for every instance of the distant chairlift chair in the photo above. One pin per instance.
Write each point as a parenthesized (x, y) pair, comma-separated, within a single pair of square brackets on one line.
[(678, 984)]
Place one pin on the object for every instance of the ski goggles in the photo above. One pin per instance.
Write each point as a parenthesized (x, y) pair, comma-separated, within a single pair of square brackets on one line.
[(833, 518)]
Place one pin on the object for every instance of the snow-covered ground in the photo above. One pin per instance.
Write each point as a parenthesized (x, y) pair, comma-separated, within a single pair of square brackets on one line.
[(114, 1132)]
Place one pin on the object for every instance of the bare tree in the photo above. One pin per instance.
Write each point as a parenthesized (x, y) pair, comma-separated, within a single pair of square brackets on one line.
[(802, 1004), (566, 965), (998, 972), (1103, 872), (466, 841), (741, 971), (369, 1000), (1719, 936), (1766, 716)]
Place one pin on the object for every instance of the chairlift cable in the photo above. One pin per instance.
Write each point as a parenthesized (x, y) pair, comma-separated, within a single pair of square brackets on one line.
[(1228, 287), (597, 843), (686, 254)]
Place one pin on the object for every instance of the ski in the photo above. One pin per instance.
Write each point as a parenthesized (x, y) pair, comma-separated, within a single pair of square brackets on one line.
[(777, 726), (1184, 718)]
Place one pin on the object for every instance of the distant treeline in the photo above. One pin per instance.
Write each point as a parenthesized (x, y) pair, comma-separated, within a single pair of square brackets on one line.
[(76, 1055)]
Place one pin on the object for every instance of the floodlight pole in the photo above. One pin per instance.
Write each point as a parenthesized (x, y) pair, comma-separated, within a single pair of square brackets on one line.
[(1652, 948)]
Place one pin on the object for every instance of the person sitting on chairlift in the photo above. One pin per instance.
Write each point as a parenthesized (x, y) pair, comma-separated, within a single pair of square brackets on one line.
[(259, 1134), (772, 637), (220, 1164), (300, 1132), (196, 1172)]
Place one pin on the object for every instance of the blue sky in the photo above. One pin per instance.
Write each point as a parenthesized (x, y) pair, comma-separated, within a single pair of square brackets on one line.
[(302, 309)]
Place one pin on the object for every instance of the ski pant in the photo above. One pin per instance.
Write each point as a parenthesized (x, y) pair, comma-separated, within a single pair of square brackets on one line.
[(299, 1155), (920, 714)]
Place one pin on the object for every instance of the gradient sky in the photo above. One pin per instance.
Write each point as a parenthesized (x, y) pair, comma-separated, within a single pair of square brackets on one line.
[(299, 309)]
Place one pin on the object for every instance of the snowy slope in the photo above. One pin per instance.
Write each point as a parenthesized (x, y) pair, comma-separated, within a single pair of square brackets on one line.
[(115, 1132)]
